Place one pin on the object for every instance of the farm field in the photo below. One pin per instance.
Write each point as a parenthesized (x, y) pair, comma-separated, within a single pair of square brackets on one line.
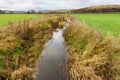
[(5, 18), (21, 45), (108, 23), (57, 40)]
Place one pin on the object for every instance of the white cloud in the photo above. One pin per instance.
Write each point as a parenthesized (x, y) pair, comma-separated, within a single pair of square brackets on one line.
[(99, 2), (51, 4), (18, 4)]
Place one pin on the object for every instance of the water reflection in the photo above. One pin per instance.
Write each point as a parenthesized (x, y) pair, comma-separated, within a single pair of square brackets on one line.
[(52, 64)]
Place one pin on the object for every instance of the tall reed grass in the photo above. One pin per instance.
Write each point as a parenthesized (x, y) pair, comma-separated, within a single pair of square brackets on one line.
[(21, 45), (92, 56)]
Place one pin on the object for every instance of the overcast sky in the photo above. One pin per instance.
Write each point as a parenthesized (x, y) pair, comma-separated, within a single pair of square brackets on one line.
[(51, 4)]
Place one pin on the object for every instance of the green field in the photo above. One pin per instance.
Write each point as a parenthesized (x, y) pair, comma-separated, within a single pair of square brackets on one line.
[(5, 18), (94, 54), (109, 23)]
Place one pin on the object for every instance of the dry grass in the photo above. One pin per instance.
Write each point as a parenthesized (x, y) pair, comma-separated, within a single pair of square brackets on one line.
[(92, 56), (22, 43)]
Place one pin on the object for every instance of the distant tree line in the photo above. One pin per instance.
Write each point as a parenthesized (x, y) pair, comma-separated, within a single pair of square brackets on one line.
[(2, 12), (31, 12), (15, 12)]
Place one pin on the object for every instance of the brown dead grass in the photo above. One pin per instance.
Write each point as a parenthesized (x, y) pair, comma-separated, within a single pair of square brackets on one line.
[(22, 43), (91, 54)]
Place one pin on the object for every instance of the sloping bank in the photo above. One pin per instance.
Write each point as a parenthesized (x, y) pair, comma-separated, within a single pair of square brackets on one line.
[(22, 43), (92, 56)]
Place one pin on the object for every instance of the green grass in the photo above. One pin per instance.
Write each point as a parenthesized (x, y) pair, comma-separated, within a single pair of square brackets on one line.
[(5, 18), (118, 78), (108, 23)]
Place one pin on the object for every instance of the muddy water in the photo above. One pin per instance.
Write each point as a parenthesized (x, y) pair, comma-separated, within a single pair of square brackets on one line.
[(52, 64)]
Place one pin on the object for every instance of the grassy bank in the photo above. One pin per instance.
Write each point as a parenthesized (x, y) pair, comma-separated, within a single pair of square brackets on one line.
[(92, 55), (108, 23), (21, 45), (6, 18)]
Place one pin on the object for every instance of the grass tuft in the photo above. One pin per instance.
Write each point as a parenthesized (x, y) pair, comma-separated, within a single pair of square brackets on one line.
[(22, 43), (91, 53)]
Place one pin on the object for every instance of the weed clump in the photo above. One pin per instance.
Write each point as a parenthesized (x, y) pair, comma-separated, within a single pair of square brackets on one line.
[(92, 55), (22, 43)]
